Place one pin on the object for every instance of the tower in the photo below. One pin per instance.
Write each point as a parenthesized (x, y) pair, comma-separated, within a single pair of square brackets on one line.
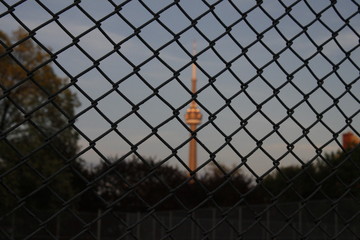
[(193, 118)]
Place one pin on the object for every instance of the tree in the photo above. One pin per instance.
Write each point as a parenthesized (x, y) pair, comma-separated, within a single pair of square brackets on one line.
[(291, 183), (36, 138), (340, 173), (137, 184), (227, 186), (334, 176)]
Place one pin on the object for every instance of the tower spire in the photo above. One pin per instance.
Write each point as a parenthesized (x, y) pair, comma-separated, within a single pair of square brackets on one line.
[(193, 72), (193, 117)]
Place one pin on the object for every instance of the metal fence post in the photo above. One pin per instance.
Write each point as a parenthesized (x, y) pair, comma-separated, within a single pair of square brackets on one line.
[(138, 228), (240, 219), (300, 218), (336, 221), (213, 223), (57, 227), (170, 219), (154, 228), (98, 225), (267, 234), (13, 227)]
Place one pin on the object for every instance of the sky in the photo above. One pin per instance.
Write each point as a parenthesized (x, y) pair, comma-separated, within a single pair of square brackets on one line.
[(211, 61)]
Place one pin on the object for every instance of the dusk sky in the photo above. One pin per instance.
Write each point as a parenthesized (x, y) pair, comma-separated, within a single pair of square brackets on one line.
[(156, 74)]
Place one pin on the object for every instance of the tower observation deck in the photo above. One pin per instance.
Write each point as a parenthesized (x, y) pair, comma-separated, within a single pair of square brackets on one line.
[(193, 119)]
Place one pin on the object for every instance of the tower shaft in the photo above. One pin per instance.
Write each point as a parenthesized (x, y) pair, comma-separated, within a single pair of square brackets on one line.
[(193, 151), (193, 118)]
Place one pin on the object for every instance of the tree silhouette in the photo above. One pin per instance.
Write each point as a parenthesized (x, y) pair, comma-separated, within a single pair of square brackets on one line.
[(227, 185), (333, 176), (291, 183), (36, 137), (340, 173), (139, 184), (136, 184)]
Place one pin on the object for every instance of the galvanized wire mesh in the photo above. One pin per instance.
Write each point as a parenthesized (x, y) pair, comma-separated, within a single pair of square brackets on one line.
[(279, 84)]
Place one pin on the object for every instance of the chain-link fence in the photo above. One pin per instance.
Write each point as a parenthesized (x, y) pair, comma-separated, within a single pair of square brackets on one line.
[(94, 143)]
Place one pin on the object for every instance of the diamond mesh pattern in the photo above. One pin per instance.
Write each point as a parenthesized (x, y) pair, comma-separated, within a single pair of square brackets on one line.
[(278, 85)]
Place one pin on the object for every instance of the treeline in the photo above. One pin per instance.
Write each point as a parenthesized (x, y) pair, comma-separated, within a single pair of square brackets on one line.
[(144, 184), (138, 184), (333, 176)]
